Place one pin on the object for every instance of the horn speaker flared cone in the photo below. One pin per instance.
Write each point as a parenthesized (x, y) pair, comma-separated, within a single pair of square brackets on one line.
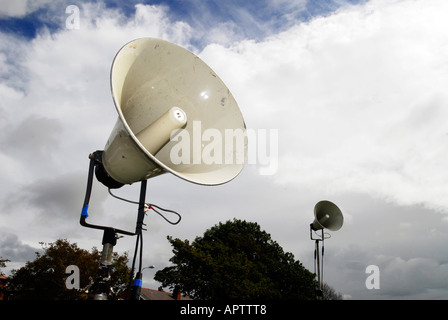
[(173, 113), (327, 215)]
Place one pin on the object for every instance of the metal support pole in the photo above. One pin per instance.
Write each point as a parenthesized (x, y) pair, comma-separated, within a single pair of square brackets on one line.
[(319, 280), (317, 255), (135, 286), (101, 287)]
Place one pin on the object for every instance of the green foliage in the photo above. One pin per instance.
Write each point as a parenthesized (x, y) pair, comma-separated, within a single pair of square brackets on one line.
[(3, 263), (44, 278), (236, 260), (329, 293)]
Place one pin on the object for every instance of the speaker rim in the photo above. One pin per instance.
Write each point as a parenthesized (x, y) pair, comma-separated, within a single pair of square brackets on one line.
[(338, 219), (185, 176)]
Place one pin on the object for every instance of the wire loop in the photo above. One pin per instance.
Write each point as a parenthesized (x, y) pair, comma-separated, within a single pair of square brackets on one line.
[(151, 206)]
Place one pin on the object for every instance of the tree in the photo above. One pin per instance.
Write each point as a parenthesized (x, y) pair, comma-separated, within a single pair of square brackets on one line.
[(3, 263), (236, 260), (44, 278), (2, 277), (328, 293)]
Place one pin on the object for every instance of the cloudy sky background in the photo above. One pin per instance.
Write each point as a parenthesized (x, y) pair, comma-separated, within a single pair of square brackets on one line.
[(356, 90)]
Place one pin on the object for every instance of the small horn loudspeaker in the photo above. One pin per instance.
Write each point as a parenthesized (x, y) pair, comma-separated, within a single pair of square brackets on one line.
[(327, 215)]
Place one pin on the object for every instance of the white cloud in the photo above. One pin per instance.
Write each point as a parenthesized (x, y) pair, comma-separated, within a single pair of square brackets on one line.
[(20, 8), (358, 98), (401, 277), (56, 109)]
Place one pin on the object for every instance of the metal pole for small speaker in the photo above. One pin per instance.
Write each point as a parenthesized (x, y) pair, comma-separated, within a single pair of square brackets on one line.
[(319, 268), (327, 216)]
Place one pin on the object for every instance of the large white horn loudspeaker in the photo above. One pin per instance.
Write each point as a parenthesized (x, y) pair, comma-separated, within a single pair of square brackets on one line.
[(166, 96), (327, 216)]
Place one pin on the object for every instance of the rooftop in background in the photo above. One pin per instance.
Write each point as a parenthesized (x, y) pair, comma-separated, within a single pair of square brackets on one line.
[(151, 294)]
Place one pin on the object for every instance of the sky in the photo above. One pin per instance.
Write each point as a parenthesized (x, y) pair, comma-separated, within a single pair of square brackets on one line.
[(354, 90)]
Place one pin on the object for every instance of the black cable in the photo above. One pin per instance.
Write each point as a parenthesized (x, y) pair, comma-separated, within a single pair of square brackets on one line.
[(123, 199), (134, 259), (322, 266), (151, 206), (315, 258), (131, 280), (85, 205), (141, 253)]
